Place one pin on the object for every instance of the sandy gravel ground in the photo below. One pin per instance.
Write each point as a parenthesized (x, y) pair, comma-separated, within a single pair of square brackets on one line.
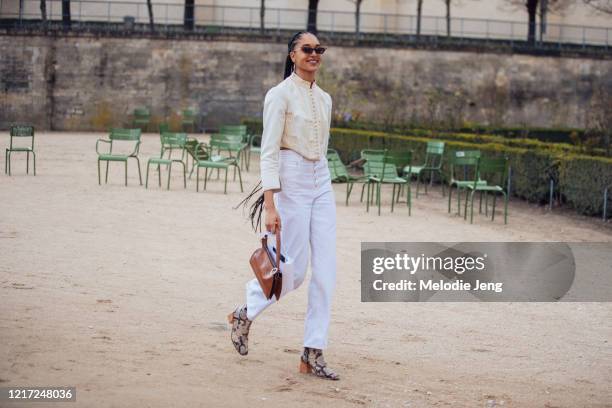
[(123, 292)]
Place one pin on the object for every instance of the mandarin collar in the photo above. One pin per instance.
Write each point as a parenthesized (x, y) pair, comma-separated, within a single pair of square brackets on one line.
[(302, 82)]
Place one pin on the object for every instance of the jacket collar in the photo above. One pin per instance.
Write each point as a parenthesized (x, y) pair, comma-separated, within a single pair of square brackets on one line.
[(302, 82)]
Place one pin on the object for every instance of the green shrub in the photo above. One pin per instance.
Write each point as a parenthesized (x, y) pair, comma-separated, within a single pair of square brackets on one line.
[(582, 180)]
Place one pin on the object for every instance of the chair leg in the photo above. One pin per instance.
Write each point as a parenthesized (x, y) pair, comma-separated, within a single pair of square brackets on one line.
[(197, 179), (349, 188), (493, 208), (373, 195), (9, 162), (34, 157), (505, 208), (368, 198), (225, 187), (393, 197), (378, 196), (184, 175), (450, 189), (106, 177), (240, 179), (409, 198), (99, 181), (480, 205), (126, 173), (139, 174), (147, 176), (27, 162), (169, 173), (467, 193), (418, 183), (5, 161), (486, 204), (159, 175), (472, 207), (206, 176)]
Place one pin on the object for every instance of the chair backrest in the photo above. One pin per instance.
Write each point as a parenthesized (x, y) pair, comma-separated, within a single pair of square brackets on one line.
[(234, 129), (373, 165), (22, 131), (231, 137), (142, 113), (171, 140), (493, 170), (189, 113), (337, 169), (125, 134), (164, 127), (395, 161), (229, 145), (434, 153), (468, 161)]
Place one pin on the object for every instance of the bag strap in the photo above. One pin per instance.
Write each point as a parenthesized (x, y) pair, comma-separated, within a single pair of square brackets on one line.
[(264, 244), (278, 249)]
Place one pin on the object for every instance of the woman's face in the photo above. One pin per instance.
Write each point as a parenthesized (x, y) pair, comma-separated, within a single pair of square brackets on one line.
[(302, 60)]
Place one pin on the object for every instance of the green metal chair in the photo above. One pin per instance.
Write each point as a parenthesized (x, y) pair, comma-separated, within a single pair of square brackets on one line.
[(234, 130), (204, 157), (463, 166), (189, 119), (495, 172), (242, 131), (164, 127), (433, 164), (119, 135), (339, 173), (233, 144), (170, 142), (142, 118), (254, 147), (20, 131), (392, 161), (372, 167)]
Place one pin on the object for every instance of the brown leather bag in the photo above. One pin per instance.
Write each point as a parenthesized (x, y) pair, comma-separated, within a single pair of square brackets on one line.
[(267, 268)]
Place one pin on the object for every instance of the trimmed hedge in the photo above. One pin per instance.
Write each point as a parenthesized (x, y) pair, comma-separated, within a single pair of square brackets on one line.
[(548, 135), (582, 180)]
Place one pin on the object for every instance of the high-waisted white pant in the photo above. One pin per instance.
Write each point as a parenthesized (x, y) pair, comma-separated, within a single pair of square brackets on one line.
[(307, 208)]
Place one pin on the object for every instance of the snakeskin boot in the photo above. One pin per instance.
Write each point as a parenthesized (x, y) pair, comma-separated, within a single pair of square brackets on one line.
[(312, 362), (240, 329)]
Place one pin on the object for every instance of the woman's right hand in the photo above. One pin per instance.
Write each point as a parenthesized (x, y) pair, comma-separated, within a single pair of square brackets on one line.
[(273, 220)]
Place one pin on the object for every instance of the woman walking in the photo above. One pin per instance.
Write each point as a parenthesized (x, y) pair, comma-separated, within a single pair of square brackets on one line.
[(298, 198)]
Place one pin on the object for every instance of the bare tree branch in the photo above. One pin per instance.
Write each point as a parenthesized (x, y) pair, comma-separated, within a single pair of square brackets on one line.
[(602, 6)]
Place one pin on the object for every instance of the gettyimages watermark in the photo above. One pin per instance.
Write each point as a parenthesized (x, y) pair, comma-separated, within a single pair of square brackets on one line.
[(486, 271)]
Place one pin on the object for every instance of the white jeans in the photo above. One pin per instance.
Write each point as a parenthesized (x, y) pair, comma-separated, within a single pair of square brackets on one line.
[(307, 208)]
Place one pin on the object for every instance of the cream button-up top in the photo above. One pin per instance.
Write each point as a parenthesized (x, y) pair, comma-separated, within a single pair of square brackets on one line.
[(296, 115)]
